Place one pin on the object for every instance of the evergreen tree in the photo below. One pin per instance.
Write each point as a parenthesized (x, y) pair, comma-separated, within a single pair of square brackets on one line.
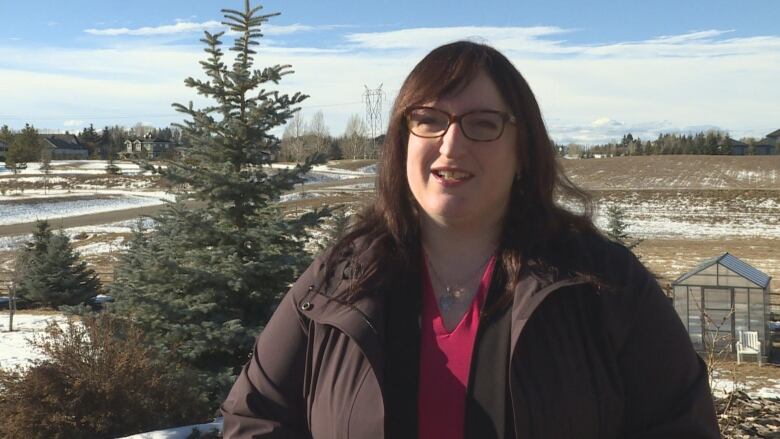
[(617, 227), (204, 280), (54, 276), (6, 135), (25, 147), (90, 138)]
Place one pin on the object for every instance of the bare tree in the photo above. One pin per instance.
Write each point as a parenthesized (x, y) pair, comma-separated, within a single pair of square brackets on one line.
[(293, 139), (46, 167), (318, 132), (19, 269), (355, 138), (141, 130)]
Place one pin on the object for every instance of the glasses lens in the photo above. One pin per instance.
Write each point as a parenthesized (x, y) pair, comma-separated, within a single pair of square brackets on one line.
[(482, 125), (427, 122)]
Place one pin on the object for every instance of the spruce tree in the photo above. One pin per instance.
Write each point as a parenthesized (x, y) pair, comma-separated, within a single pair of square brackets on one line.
[(25, 147), (54, 275), (617, 227), (6, 135), (203, 281), (90, 138)]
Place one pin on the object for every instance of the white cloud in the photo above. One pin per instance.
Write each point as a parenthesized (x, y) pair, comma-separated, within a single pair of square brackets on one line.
[(426, 38), (73, 123), (588, 93), (182, 26), (167, 29)]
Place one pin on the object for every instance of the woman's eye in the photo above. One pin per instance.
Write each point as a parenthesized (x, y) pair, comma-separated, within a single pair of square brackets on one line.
[(485, 124), (428, 120)]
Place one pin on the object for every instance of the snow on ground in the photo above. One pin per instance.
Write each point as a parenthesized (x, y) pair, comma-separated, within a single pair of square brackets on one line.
[(40, 179), (694, 215), (75, 167), (14, 348), (22, 211), (10, 243), (370, 169), (754, 387), (97, 248), (178, 432), (326, 173)]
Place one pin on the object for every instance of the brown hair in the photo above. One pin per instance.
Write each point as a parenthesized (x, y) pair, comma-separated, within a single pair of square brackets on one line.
[(535, 226)]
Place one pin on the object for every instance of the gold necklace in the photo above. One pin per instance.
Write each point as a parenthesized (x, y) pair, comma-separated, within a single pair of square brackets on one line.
[(453, 293)]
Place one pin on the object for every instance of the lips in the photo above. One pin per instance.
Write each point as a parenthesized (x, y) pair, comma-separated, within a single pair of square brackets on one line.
[(451, 175)]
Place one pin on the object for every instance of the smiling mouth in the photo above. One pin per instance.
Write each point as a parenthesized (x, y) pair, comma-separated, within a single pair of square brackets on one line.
[(450, 175)]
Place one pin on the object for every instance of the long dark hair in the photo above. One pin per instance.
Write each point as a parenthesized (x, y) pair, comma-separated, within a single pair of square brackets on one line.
[(535, 228)]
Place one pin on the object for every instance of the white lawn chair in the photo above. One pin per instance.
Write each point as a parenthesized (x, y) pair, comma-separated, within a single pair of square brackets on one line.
[(748, 344)]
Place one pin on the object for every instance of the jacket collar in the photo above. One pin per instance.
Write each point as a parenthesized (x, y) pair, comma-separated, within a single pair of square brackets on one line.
[(364, 320)]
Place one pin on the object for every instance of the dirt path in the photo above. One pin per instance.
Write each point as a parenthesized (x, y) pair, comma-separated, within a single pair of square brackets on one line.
[(82, 220)]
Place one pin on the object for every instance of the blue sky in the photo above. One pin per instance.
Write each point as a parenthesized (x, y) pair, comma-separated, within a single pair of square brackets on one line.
[(599, 68)]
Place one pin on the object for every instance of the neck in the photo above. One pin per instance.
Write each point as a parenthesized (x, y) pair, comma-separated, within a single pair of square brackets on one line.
[(458, 249)]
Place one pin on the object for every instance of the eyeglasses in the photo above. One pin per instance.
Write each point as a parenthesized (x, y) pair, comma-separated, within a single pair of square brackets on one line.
[(479, 126)]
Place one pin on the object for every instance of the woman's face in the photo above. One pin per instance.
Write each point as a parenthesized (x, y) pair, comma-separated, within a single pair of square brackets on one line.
[(461, 182)]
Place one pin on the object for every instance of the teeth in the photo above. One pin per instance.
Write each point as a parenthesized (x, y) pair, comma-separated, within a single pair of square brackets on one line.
[(452, 175)]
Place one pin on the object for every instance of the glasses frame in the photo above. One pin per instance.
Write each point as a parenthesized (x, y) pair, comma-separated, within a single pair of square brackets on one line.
[(453, 118)]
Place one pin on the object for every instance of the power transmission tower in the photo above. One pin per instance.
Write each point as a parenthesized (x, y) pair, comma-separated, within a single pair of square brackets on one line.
[(374, 100)]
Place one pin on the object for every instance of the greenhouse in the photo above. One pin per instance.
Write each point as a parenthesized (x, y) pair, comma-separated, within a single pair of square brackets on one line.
[(721, 297)]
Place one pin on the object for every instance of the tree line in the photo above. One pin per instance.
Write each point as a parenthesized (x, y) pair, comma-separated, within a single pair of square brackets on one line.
[(702, 143), (26, 145), (303, 138)]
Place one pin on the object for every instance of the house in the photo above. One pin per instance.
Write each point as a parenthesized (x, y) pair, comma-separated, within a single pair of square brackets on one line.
[(148, 146), (735, 147), (64, 146), (770, 144)]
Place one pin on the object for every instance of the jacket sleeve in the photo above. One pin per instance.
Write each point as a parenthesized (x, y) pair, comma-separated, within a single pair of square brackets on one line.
[(665, 382), (266, 401)]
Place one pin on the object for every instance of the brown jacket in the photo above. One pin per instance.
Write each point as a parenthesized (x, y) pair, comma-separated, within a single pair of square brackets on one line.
[(585, 363)]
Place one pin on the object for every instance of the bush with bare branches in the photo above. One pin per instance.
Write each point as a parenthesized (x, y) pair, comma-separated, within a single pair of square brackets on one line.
[(98, 379)]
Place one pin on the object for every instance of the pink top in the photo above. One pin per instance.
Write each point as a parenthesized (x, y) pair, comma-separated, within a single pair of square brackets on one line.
[(445, 360)]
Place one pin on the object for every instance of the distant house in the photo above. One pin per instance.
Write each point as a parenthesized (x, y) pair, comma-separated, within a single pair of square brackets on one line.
[(3, 150), (774, 136), (770, 144), (64, 146), (735, 146), (147, 146)]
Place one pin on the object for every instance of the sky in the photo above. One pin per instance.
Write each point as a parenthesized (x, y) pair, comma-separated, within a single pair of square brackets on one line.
[(599, 69)]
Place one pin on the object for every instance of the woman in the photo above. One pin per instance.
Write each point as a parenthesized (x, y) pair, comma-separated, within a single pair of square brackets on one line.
[(465, 302)]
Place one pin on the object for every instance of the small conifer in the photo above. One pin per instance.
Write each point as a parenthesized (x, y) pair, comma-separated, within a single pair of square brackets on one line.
[(203, 281), (54, 275)]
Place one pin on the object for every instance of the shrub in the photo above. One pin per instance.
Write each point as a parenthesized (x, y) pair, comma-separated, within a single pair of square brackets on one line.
[(98, 380)]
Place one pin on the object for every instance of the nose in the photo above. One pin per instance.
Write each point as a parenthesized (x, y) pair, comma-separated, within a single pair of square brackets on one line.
[(453, 142)]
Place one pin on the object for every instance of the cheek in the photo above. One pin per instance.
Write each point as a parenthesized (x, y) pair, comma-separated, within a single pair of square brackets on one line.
[(416, 166)]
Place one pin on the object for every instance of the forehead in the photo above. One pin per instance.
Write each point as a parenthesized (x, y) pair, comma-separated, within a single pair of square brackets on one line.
[(481, 93)]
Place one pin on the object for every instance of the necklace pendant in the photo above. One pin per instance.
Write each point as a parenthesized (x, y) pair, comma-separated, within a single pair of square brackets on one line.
[(446, 302)]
